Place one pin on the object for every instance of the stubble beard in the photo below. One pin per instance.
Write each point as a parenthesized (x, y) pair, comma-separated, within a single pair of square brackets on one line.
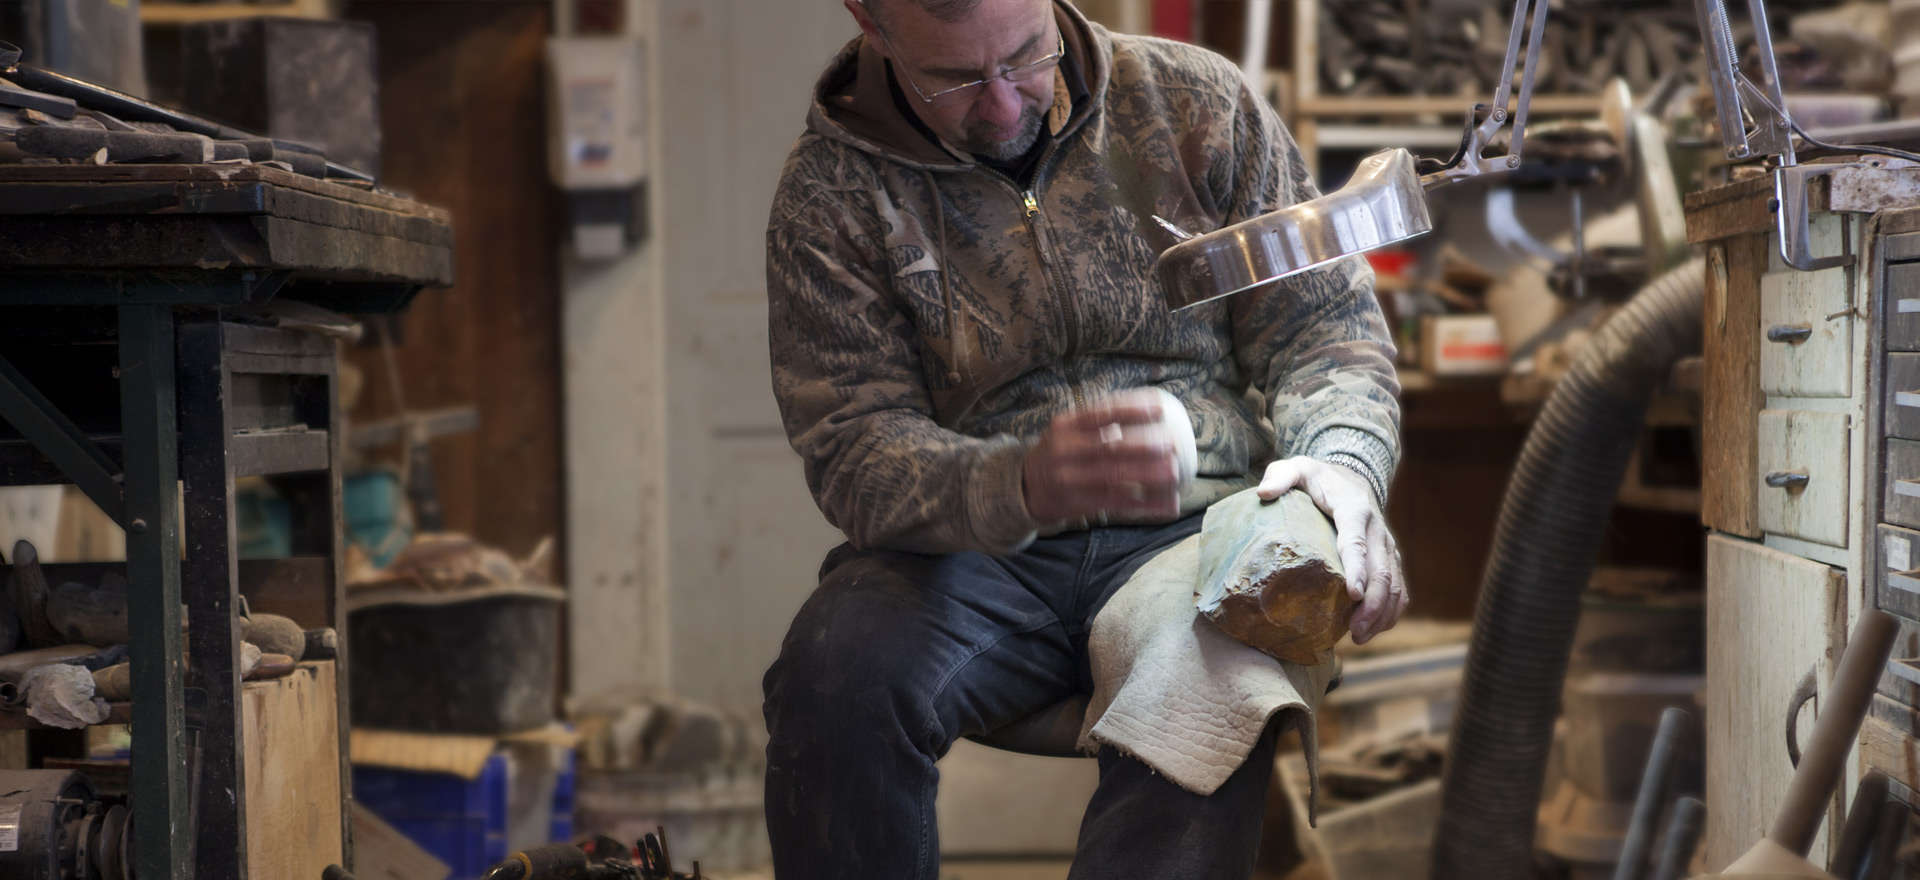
[(981, 143)]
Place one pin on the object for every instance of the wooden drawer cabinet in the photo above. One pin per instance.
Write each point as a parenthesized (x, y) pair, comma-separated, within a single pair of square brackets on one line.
[(1765, 604), (1902, 315), (1900, 397), (1806, 324), (1803, 475), (1806, 335), (1898, 587), (1901, 490), (1811, 447)]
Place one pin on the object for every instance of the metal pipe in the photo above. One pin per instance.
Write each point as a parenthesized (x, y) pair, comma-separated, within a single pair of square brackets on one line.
[(1888, 834), (1538, 36), (1863, 815), (1689, 820), (1656, 779)]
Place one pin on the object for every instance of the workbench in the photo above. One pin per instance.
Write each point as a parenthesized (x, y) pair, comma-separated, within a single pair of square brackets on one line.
[(1806, 396), (150, 285)]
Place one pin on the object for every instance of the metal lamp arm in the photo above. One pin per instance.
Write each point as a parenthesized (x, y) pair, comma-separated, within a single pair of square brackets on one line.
[(1486, 121)]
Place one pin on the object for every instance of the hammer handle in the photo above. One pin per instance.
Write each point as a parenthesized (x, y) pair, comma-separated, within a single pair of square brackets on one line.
[(1842, 709)]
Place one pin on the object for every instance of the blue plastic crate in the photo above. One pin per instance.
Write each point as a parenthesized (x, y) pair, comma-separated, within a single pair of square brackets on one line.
[(563, 800), (462, 822)]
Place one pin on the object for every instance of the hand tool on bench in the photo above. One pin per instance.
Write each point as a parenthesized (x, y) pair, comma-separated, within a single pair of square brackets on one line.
[(58, 95)]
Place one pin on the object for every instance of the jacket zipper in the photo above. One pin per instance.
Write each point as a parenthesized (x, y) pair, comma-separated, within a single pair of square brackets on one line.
[(1030, 201)]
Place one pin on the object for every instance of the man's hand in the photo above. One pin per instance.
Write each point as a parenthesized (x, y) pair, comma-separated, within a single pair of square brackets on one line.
[(1129, 454), (1367, 549)]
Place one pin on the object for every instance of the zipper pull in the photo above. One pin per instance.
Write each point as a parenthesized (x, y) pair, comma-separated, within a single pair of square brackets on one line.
[(1033, 204)]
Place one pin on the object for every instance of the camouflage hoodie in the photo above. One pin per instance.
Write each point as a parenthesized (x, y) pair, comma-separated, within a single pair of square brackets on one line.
[(928, 317)]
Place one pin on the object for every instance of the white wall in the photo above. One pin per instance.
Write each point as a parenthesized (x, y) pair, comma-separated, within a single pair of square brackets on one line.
[(694, 539), (745, 536)]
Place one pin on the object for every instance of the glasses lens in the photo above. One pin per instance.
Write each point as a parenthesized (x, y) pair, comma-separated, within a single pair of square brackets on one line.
[(939, 90)]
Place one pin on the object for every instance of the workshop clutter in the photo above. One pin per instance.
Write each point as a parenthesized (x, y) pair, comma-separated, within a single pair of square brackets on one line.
[(1382, 743), (455, 742), (1438, 308), (49, 117), (1639, 650), (455, 637), (468, 800), (63, 642), (1399, 47), (691, 769)]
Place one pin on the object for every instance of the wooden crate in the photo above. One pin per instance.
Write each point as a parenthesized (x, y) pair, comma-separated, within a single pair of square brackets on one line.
[(291, 740)]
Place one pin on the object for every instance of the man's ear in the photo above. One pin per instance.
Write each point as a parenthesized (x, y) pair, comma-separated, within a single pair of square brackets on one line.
[(865, 19)]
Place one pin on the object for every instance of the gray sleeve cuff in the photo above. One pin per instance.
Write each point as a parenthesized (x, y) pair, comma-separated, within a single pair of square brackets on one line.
[(1360, 451), (996, 499)]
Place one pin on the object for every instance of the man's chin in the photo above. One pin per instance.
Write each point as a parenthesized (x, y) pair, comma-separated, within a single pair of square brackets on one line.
[(1007, 150)]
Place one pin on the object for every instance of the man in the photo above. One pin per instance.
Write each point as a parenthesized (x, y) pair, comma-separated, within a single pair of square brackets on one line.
[(994, 404)]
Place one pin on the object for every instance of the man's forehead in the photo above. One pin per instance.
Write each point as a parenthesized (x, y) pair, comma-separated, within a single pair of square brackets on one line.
[(979, 32)]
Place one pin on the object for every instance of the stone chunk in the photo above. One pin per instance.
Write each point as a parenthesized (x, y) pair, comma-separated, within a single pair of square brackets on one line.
[(1270, 576)]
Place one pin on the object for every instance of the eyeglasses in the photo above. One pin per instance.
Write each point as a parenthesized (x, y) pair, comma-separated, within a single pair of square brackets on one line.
[(945, 91)]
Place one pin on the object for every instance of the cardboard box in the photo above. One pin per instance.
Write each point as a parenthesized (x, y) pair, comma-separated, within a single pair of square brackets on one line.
[(1462, 345)]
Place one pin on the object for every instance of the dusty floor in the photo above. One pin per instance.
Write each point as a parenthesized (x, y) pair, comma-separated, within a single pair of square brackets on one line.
[(985, 870)]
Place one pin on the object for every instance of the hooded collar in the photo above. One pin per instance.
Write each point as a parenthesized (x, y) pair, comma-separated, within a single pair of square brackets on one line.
[(853, 101)]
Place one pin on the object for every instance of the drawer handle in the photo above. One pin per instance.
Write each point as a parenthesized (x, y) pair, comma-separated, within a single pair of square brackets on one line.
[(1787, 480), (1906, 398), (1906, 670), (1909, 488), (1903, 581), (1791, 334)]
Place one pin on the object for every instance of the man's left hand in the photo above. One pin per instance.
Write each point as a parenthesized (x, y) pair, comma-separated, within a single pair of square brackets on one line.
[(1367, 550)]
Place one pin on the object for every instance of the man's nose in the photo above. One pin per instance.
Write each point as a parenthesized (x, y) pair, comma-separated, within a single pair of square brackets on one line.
[(999, 104)]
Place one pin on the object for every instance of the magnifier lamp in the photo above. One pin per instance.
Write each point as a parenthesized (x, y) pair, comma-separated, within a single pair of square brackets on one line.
[(1382, 203), (1385, 200)]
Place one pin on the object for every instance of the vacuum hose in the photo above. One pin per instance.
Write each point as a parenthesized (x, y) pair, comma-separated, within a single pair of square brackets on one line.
[(1551, 523)]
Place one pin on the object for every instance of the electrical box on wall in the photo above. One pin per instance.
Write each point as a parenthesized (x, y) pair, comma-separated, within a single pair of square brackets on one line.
[(596, 148)]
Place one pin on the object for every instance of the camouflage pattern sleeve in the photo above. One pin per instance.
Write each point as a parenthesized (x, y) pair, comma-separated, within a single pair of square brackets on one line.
[(847, 375), (1316, 344)]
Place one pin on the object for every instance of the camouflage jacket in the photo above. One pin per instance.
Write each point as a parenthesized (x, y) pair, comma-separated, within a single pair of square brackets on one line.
[(928, 317)]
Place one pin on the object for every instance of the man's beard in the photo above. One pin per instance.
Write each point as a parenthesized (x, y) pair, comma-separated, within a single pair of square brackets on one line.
[(980, 141)]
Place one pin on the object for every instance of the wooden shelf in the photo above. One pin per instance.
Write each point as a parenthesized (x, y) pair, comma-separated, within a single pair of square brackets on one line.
[(190, 13), (294, 586), (1340, 136), (1418, 381), (1313, 116), (1454, 107), (258, 453), (117, 713)]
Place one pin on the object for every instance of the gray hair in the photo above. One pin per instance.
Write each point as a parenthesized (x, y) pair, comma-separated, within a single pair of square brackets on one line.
[(944, 10)]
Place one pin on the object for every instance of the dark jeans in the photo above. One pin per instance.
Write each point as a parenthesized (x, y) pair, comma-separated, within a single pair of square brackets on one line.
[(897, 655)]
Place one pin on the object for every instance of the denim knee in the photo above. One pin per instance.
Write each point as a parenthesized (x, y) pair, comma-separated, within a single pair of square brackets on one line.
[(846, 669)]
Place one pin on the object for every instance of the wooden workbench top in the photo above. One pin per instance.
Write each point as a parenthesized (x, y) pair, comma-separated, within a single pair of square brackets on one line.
[(222, 217)]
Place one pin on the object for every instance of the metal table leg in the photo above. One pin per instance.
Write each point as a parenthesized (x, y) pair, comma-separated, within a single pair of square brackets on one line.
[(211, 584), (337, 604), (148, 424)]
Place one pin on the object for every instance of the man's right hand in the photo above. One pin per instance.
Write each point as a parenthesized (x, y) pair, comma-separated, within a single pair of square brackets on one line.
[(1127, 455)]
